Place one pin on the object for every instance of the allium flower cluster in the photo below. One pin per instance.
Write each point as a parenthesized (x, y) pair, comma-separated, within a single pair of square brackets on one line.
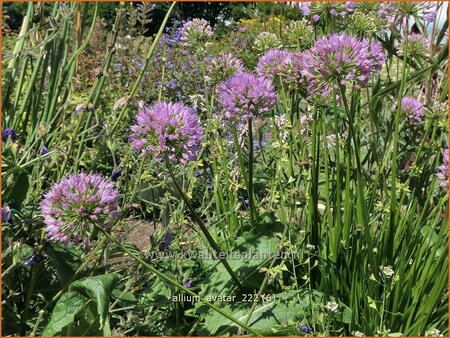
[(171, 129), (413, 108), (298, 32), (397, 11), (222, 67), (443, 170), (265, 41), (340, 59), (72, 205), (362, 23), (195, 31), (279, 63), (319, 8), (245, 96), (416, 44)]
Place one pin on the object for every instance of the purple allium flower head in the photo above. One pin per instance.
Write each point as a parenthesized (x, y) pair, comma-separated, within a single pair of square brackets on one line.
[(416, 44), (245, 96), (43, 150), (316, 18), (9, 133), (71, 206), (116, 174), (170, 129), (222, 67), (413, 108), (443, 170), (168, 238), (280, 63), (6, 214), (338, 59), (195, 31), (396, 11)]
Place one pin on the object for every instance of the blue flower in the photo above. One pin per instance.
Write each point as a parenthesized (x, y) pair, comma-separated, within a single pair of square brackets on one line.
[(9, 133), (43, 150), (305, 328), (116, 174), (166, 241), (37, 258), (6, 214), (188, 283)]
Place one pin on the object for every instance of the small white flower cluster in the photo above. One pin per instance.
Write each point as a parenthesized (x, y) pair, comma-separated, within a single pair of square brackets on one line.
[(332, 306), (387, 271), (433, 333), (357, 334), (281, 123)]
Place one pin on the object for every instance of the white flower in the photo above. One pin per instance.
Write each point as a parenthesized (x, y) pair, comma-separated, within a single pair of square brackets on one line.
[(331, 140), (433, 333), (387, 271), (332, 306), (310, 246), (357, 334), (280, 121)]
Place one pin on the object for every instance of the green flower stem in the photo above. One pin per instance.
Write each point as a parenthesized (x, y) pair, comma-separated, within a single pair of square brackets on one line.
[(337, 219), (240, 157), (393, 202), (314, 198), (174, 283), (253, 215), (202, 225), (361, 207)]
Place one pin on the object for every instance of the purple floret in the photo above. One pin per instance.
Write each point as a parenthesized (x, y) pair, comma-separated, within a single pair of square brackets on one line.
[(280, 63), (340, 59), (71, 206), (413, 108), (245, 96), (222, 67), (195, 30), (171, 129)]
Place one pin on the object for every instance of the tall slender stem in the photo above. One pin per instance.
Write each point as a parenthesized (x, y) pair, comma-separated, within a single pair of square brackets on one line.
[(202, 226), (250, 173)]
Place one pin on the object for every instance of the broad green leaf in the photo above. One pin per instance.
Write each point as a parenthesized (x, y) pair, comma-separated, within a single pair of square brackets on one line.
[(83, 309), (69, 305), (277, 317), (98, 289)]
